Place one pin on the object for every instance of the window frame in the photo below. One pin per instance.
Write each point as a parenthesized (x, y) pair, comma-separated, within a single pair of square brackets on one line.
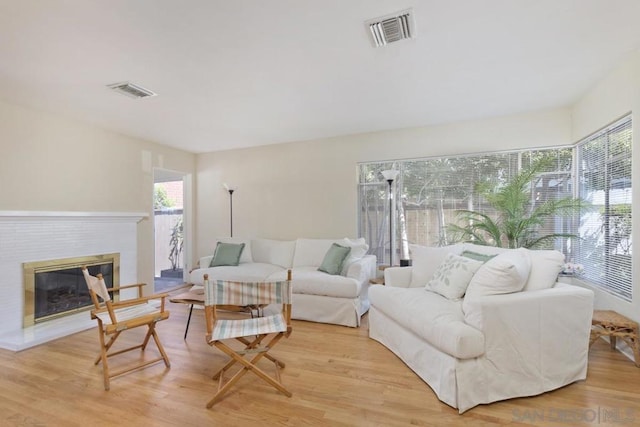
[(574, 224)]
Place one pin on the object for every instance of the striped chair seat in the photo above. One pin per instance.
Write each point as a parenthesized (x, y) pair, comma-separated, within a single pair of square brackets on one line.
[(258, 334), (127, 313), (225, 329)]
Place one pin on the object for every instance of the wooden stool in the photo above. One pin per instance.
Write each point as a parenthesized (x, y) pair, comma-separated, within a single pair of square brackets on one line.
[(614, 325)]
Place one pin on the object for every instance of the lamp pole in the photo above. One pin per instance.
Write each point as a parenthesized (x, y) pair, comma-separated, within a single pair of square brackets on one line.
[(230, 190), (390, 175)]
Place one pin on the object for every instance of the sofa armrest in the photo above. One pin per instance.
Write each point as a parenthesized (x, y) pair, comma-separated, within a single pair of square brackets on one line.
[(399, 277), (205, 261), (363, 269), (536, 335), (563, 303)]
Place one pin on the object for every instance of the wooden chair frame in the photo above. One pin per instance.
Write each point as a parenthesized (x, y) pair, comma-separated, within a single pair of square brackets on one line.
[(116, 325), (253, 345)]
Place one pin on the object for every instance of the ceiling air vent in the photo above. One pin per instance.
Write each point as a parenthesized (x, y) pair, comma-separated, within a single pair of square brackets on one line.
[(131, 90), (392, 28)]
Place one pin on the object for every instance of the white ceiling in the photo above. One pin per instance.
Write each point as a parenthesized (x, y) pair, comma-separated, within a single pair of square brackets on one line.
[(240, 73)]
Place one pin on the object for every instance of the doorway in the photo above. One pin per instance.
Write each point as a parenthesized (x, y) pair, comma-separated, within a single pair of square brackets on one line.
[(169, 229)]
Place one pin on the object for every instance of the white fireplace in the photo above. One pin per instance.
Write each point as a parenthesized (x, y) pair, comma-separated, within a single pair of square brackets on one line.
[(34, 236)]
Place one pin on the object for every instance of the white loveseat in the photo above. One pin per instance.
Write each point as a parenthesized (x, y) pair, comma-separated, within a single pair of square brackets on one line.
[(487, 346), (339, 299)]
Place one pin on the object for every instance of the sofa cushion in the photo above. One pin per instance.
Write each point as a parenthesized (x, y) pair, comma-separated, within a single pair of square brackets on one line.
[(227, 254), (246, 253), (507, 272), (308, 280), (311, 252), (278, 252), (250, 272), (430, 316), (545, 267), (334, 259), (452, 276), (425, 261)]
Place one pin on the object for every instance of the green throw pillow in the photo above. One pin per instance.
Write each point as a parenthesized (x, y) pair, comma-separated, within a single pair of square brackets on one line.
[(476, 256), (227, 254), (334, 259)]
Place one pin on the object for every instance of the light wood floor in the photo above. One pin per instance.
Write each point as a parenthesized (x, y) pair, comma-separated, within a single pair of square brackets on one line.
[(338, 376)]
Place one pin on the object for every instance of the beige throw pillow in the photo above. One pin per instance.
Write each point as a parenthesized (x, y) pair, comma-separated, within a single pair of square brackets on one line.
[(452, 277), (426, 260)]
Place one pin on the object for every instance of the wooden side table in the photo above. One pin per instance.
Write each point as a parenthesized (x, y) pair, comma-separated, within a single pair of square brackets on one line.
[(191, 298), (377, 281), (195, 296), (614, 325)]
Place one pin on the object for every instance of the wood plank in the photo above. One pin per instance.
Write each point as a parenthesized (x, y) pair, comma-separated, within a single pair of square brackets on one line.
[(338, 377)]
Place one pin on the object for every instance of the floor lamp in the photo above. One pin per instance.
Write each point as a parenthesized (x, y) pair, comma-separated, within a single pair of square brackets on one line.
[(230, 190), (390, 175)]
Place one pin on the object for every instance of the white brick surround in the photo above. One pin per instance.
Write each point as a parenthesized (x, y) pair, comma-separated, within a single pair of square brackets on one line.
[(38, 236)]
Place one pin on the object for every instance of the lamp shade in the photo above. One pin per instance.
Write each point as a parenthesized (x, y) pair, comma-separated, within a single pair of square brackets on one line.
[(390, 174)]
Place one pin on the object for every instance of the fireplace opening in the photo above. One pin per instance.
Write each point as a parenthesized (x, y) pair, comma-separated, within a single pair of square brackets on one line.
[(57, 288), (65, 290)]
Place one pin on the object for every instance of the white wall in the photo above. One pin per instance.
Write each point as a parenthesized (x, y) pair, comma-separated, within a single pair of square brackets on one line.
[(614, 96), (51, 163), (309, 189)]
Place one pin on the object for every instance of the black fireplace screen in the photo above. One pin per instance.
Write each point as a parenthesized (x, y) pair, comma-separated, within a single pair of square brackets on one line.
[(65, 290)]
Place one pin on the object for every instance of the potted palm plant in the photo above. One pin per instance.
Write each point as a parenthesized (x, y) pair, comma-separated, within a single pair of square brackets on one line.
[(176, 241), (517, 222)]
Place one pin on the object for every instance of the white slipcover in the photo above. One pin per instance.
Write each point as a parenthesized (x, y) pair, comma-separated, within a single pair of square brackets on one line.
[(317, 296), (431, 317), (533, 341)]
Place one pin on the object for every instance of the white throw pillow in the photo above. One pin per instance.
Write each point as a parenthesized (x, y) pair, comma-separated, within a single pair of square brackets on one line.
[(425, 261), (359, 249), (503, 274), (452, 276), (545, 267)]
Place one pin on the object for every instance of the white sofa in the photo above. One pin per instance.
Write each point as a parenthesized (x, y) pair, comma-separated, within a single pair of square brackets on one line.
[(317, 296), (489, 345)]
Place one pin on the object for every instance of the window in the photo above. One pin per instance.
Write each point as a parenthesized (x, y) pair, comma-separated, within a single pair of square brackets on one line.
[(428, 192), (432, 190), (604, 180)]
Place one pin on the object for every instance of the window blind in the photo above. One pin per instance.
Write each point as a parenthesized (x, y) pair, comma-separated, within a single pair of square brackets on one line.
[(604, 180), (432, 190)]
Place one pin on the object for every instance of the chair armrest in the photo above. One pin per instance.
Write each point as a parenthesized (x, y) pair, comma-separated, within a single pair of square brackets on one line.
[(399, 277), (127, 286), (141, 300), (363, 269), (136, 285)]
